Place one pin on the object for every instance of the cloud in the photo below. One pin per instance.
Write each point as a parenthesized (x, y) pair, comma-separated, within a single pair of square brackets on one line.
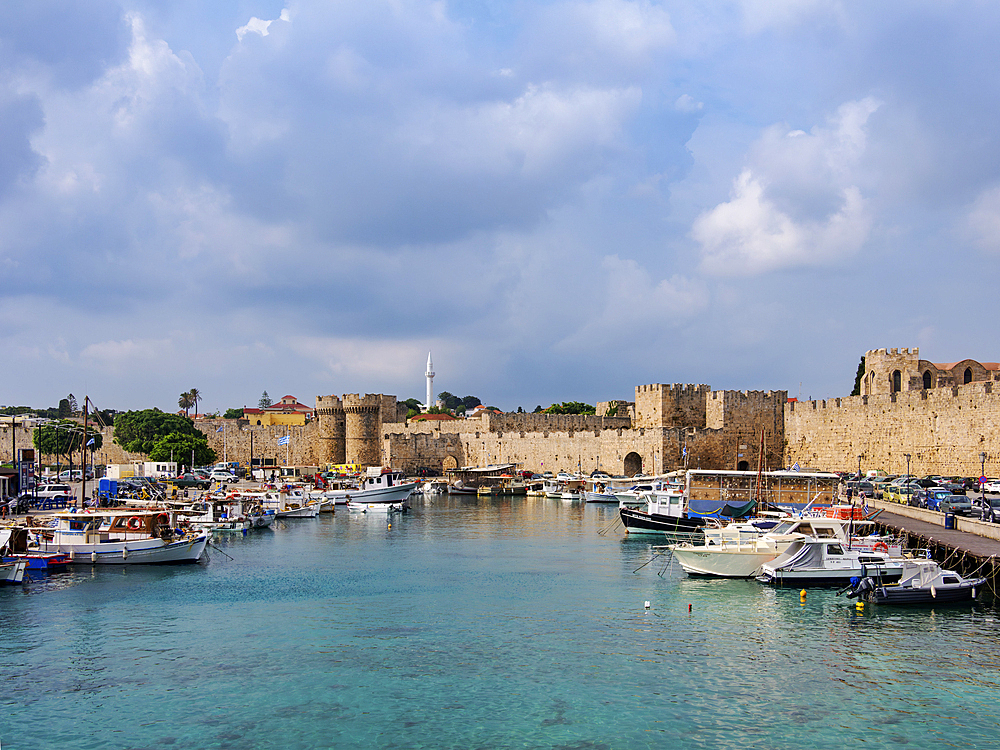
[(685, 103), (259, 26), (798, 203)]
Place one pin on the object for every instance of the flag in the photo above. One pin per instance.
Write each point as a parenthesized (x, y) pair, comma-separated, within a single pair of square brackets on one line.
[(685, 451), (284, 440), (221, 428), (90, 442), (795, 466)]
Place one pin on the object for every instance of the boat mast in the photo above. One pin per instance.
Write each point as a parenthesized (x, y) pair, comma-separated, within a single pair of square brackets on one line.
[(759, 490)]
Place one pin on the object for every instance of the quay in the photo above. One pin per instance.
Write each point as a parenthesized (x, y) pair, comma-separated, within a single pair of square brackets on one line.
[(972, 548)]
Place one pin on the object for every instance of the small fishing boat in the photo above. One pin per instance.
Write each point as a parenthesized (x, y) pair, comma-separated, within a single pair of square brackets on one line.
[(921, 582), (663, 514), (12, 572), (120, 537), (828, 562), (14, 546), (382, 485)]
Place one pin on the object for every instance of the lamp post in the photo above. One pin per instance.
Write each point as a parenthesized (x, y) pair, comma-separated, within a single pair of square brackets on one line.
[(907, 457), (982, 473), (859, 468)]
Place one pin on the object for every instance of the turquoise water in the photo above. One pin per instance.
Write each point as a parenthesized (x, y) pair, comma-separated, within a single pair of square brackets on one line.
[(477, 624)]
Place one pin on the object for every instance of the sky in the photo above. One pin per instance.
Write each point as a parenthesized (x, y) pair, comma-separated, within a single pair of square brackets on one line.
[(560, 200)]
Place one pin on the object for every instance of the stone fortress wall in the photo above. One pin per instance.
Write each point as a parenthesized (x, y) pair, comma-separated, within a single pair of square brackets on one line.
[(944, 416), (943, 427)]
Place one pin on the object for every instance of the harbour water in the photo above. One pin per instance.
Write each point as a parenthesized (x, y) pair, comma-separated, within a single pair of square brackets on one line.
[(477, 623)]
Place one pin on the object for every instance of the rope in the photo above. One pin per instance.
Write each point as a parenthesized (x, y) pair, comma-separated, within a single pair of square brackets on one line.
[(218, 550)]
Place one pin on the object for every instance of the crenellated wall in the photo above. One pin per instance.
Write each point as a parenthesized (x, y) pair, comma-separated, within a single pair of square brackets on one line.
[(943, 429)]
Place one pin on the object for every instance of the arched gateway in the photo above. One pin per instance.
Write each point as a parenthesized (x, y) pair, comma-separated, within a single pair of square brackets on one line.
[(633, 464)]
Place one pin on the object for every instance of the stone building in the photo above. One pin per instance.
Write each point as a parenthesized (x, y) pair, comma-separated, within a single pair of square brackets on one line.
[(895, 370), (945, 417)]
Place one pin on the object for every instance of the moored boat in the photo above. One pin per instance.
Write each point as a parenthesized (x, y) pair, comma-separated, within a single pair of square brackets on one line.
[(828, 562), (921, 582), (742, 551), (12, 572), (120, 537)]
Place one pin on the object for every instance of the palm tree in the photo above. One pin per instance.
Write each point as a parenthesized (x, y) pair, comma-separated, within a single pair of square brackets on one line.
[(186, 401), (195, 395)]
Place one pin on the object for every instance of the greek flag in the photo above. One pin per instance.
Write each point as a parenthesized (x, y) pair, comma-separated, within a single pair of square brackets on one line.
[(221, 428), (795, 466), (685, 451), (90, 442), (284, 440)]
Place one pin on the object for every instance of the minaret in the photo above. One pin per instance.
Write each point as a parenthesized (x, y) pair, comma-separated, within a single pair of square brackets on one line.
[(430, 382)]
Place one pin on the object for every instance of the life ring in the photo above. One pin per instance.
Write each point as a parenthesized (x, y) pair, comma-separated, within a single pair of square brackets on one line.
[(163, 519), (134, 523), (881, 547)]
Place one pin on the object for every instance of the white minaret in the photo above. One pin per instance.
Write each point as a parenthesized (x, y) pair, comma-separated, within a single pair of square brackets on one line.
[(430, 381)]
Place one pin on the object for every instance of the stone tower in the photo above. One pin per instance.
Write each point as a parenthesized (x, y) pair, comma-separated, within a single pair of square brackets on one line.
[(430, 381), (332, 430), (363, 423), (675, 405), (891, 371)]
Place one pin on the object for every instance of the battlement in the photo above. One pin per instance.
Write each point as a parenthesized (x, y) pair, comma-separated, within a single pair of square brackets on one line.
[(328, 404), (368, 402), (686, 389), (894, 352)]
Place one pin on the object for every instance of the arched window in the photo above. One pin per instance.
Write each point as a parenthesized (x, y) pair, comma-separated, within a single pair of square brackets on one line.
[(897, 381), (927, 379), (968, 375), (742, 466)]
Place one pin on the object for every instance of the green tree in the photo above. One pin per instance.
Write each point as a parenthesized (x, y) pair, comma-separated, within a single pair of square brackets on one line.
[(74, 408), (857, 378), (265, 400), (538, 409), (177, 446), (412, 403), (571, 407), (195, 395), (471, 402), (233, 414), (185, 402), (65, 411), (138, 431)]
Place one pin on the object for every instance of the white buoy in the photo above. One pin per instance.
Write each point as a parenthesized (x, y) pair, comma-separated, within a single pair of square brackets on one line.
[(647, 605), (93, 557)]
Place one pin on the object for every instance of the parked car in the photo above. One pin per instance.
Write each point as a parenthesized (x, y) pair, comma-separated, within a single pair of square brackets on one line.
[(220, 475), (987, 508), (960, 505), (929, 498), (54, 490), (75, 476), (192, 480), (898, 494), (992, 485), (954, 484)]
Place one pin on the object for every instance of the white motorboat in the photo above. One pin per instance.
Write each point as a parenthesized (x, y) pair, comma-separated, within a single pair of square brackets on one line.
[(121, 537), (809, 561), (381, 485), (743, 549), (435, 488), (359, 507)]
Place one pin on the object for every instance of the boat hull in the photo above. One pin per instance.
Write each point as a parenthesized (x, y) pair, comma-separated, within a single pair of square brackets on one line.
[(137, 552), (640, 522), (731, 563)]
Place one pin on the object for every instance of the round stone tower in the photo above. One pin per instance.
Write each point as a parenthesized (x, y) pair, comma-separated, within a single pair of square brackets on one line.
[(363, 424), (332, 430)]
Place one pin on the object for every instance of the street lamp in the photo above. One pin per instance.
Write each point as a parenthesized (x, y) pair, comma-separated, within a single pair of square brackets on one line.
[(907, 457), (982, 473), (859, 468)]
